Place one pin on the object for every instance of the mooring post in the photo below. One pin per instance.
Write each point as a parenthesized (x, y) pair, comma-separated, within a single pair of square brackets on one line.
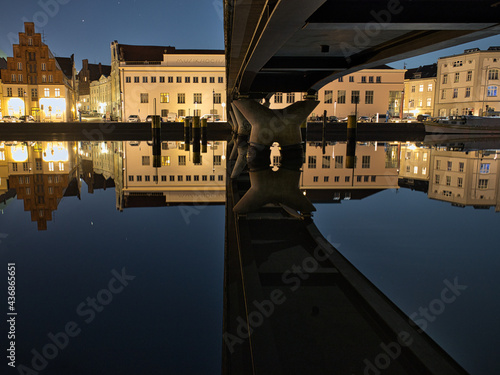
[(156, 136), (196, 139)]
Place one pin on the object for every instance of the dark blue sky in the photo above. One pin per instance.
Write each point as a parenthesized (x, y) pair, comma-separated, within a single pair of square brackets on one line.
[(86, 28)]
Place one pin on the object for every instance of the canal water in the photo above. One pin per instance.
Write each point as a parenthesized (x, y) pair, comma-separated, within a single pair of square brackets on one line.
[(118, 265)]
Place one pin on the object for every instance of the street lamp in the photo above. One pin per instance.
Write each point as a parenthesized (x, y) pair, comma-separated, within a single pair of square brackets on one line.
[(223, 111)]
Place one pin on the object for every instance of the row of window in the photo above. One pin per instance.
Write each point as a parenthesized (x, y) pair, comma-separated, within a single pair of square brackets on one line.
[(170, 79), (172, 178), (492, 75), (339, 161), (415, 170), (347, 179), (181, 98), (40, 190), (34, 92), (481, 184), (166, 160), (411, 103), (31, 80), (483, 169), (378, 79), (32, 67), (421, 88)]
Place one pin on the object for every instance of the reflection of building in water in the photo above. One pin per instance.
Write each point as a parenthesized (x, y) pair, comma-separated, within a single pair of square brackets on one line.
[(415, 167), (465, 179), (101, 165), (326, 177), (4, 170), (42, 174), (178, 180)]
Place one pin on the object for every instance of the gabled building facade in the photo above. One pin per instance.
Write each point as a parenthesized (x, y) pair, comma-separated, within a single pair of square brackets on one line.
[(420, 89), (36, 83)]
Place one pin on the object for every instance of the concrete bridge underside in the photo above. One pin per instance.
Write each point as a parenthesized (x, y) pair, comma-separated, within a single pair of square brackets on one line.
[(299, 46)]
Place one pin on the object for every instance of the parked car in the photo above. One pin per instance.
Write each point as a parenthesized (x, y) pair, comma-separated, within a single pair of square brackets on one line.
[(133, 118), (424, 117), (27, 119), (172, 117), (364, 119), (149, 118), (211, 117), (10, 119)]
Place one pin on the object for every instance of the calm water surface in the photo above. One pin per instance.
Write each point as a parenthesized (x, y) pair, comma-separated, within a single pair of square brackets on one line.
[(125, 285)]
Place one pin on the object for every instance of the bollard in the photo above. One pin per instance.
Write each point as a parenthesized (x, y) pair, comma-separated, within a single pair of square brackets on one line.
[(204, 135), (196, 140), (303, 133), (351, 141), (187, 138), (156, 135)]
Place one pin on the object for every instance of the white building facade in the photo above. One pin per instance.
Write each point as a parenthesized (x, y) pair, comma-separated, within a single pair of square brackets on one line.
[(162, 81)]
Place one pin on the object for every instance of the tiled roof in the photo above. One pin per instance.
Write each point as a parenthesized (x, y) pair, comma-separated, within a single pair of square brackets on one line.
[(66, 65), (425, 71)]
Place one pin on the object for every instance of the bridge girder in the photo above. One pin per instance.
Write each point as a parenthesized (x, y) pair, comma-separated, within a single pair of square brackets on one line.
[(292, 45)]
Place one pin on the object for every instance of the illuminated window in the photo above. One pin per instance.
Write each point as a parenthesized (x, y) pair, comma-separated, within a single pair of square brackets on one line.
[(44, 66), (415, 170), (19, 66), (46, 92), (57, 93), (165, 161), (424, 170), (2, 155), (421, 88), (492, 90), (164, 97), (51, 78), (429, 102), (429, 87), (51, 166)]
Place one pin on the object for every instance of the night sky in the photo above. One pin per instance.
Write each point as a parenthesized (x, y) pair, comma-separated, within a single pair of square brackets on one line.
[(86, 28)]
